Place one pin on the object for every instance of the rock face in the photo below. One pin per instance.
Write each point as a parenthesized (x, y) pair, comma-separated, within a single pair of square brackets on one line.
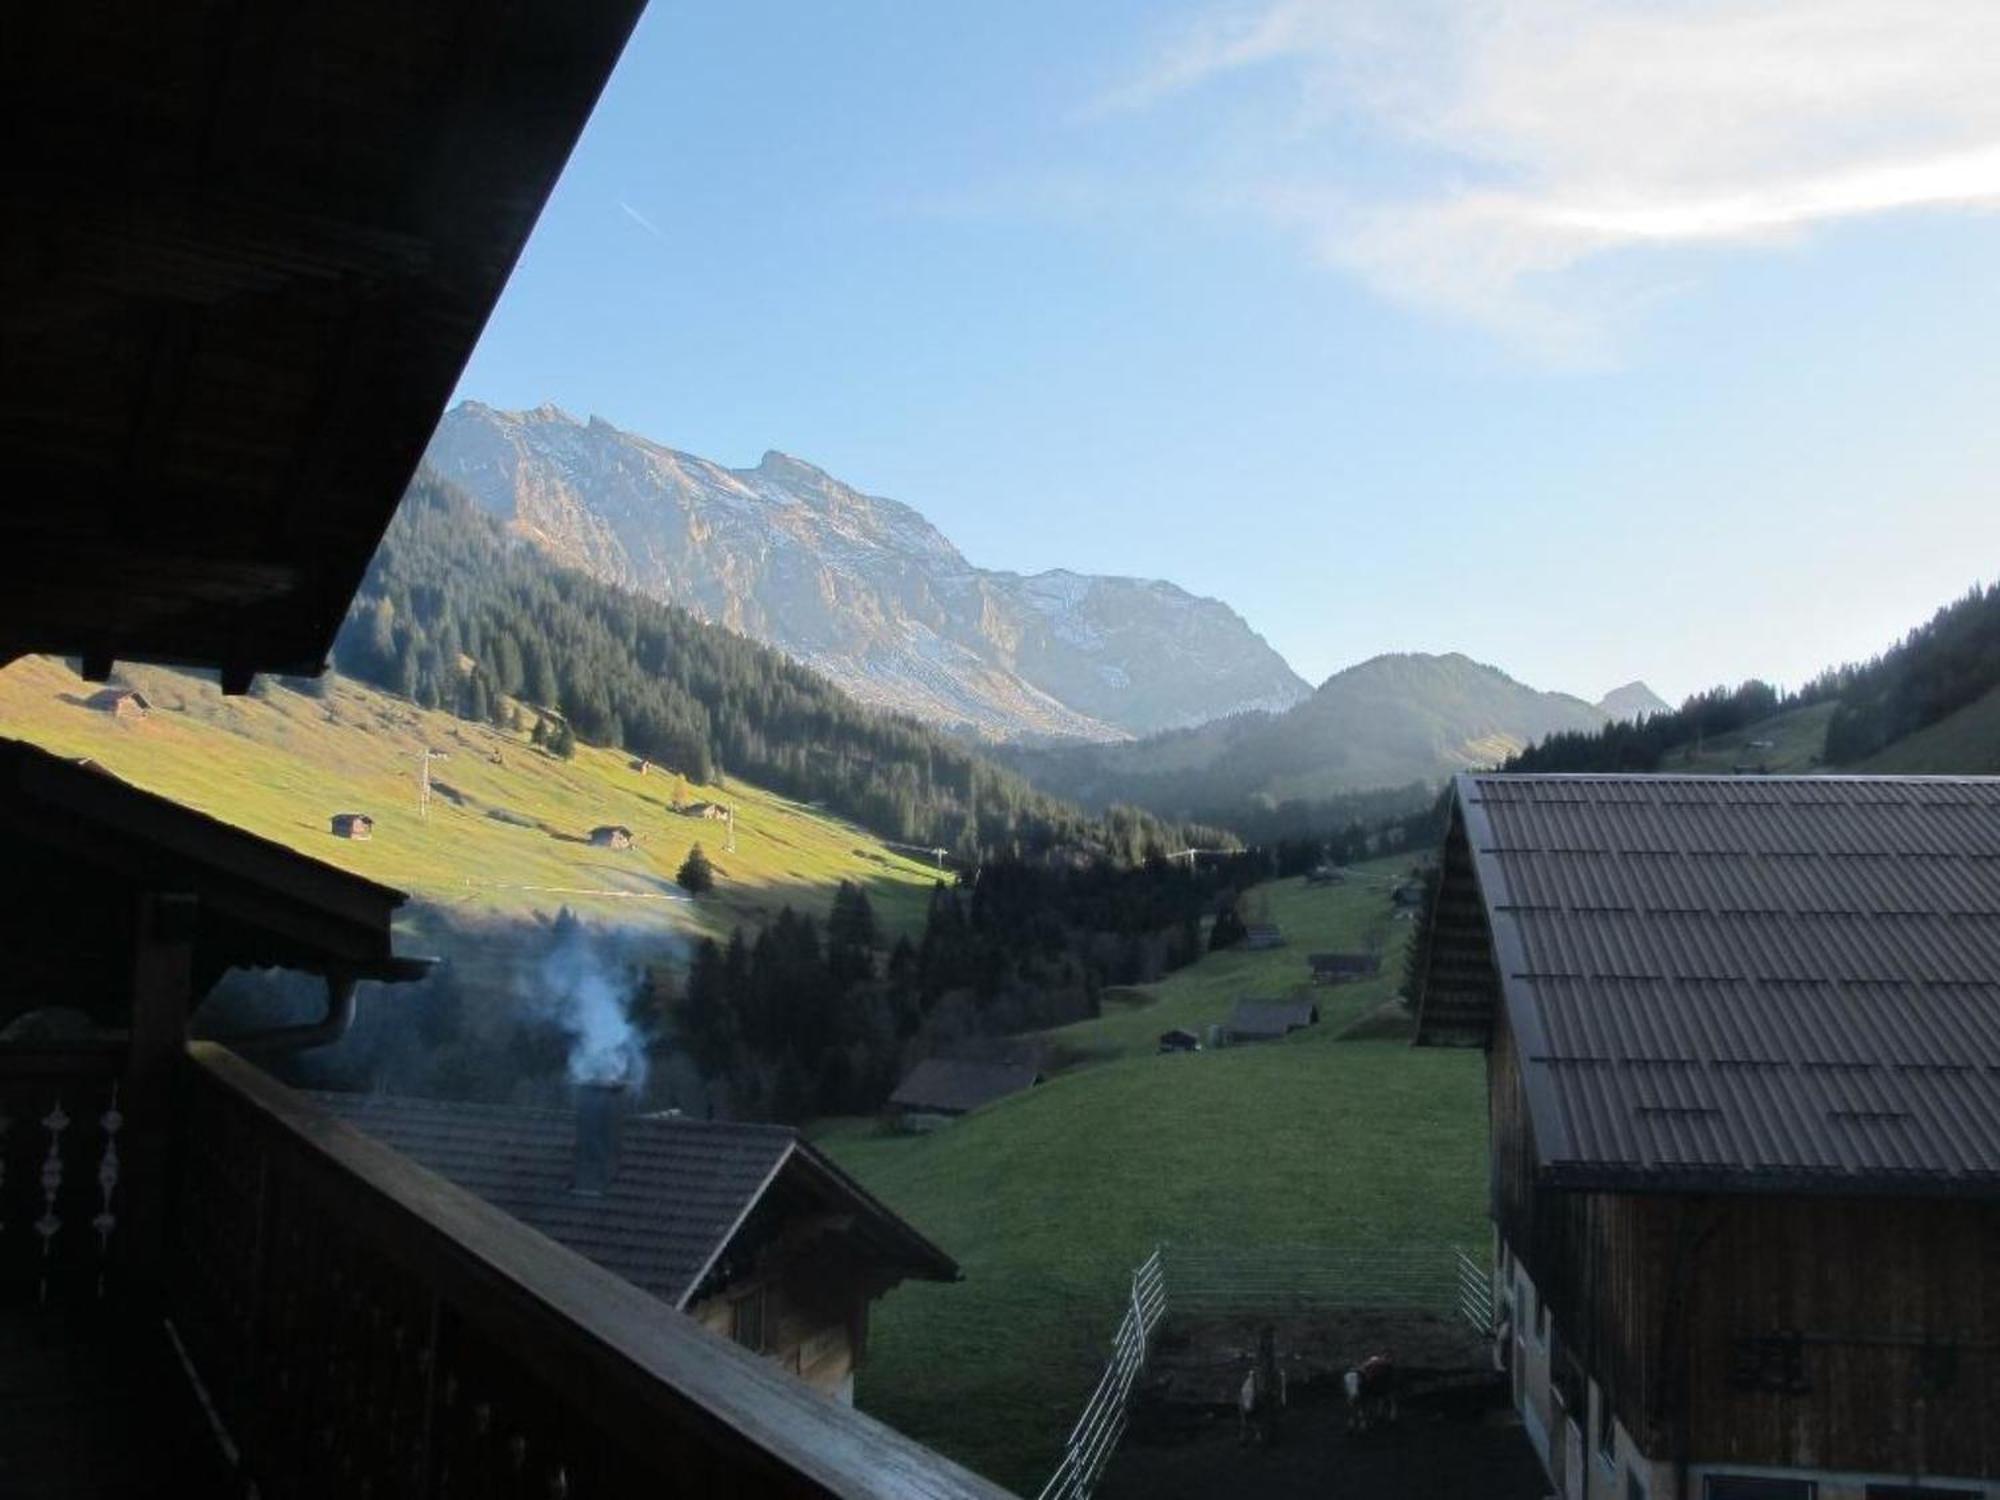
[(863, 589)]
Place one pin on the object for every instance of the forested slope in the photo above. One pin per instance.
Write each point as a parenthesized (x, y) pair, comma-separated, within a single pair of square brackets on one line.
[(455, 614)]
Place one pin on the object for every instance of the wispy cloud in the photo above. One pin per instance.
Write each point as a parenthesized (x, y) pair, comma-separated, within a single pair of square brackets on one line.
[(642, 221), (1536, 138)]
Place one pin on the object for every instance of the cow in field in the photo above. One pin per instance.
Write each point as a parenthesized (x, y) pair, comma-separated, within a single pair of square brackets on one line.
[(1371, 1393)]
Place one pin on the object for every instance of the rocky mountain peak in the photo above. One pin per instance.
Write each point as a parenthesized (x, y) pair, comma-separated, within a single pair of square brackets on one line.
[(862, 588)]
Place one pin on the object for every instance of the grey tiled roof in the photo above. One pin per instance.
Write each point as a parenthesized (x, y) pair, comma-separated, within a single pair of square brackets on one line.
[(1271, 1018), (680, 1190), (946, 1085), (1738, 981)]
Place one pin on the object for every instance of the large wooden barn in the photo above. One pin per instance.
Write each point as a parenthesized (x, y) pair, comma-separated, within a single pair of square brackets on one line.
[(747, 1228), (1744, 1081)]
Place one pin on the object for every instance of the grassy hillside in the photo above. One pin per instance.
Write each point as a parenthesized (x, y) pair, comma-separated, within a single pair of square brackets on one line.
[(506, 835), (1797, 743), (1048, 1199), (1966, 743)]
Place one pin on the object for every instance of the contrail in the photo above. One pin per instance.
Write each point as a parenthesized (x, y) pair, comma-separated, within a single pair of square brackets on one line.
[(643, 222)]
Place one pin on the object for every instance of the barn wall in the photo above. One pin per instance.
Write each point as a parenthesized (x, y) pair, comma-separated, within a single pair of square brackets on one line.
[(1882, 1315), (1602, 1262)]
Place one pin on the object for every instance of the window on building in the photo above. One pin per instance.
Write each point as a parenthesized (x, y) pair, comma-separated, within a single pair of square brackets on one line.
[(1746, 1487), (746, 1320), (1607, 1426)]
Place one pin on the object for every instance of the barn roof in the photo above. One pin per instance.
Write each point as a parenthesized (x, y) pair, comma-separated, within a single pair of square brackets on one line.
[(1347, 963), (680, 1192), (111, 697), (953, 1086), (248, 250), (1788, 983), (1271, 1018)]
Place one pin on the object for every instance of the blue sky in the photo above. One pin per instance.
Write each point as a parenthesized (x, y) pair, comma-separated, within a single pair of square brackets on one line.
[(1597, 340)]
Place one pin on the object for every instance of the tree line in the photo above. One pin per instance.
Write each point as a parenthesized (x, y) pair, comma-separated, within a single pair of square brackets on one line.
[(806, 1019), (454, 614)]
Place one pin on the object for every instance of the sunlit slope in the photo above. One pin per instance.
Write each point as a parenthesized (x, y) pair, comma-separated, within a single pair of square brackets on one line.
[(1049, 1198), (507, 832)]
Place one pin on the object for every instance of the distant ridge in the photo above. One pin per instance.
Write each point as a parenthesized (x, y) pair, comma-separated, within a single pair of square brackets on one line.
[(1633, 701), (863, 589), (1390, 721)]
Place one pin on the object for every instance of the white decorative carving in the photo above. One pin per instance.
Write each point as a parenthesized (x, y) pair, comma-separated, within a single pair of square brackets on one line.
[(107, 1183), (55, 1122)]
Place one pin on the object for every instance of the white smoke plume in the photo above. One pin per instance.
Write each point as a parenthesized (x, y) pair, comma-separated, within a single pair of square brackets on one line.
[(588, 994)]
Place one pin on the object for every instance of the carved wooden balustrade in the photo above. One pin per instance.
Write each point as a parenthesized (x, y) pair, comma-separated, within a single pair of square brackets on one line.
[(64, 1179), (365, 1328)]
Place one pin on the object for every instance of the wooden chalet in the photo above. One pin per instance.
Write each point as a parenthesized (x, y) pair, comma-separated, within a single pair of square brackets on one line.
[(1343, 968), (611, 836), (1743, 1045), (942, 1088), (248, 252), (747, 1228), (351, 825), (1269, 1020)]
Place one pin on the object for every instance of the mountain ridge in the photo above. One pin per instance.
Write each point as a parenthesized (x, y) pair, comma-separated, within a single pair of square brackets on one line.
[(862, 588), (1393, 721)]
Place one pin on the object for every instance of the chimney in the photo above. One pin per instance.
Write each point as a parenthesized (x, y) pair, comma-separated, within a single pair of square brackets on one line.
[(600, 1107)]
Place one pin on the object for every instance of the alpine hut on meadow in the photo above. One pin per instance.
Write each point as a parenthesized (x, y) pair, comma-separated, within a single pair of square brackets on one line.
[(1344, 968), (1268, 1020), (746, 1228), (351, 825), (1743, 1066), (119, 702), (942, 1088), (611, 836)]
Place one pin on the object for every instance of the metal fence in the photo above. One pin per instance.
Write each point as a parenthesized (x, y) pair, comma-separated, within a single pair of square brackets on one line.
[(1095, 1437), (1267, 1278), (1280, 1278)]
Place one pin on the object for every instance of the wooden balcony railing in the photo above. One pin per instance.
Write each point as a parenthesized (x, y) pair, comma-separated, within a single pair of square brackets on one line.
[(364, 1328)]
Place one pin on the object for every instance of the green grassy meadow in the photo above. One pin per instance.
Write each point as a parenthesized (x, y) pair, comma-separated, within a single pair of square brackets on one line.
[(1798, 744), (1050, 1198), (1966, 743), (506, 836)]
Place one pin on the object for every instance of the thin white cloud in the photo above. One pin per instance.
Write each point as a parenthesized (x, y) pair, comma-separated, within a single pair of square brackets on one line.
[(643, 222), (1532, 140)]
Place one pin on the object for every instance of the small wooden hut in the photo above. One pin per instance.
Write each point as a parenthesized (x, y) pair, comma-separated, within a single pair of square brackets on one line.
[(120, 703), (611, 836), (352, 825)]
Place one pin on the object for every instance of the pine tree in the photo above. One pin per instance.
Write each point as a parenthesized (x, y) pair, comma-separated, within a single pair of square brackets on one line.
[(696, 875)]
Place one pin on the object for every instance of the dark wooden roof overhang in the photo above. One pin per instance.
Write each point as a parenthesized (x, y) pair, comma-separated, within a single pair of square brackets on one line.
[(245, 251), (82, 846)]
